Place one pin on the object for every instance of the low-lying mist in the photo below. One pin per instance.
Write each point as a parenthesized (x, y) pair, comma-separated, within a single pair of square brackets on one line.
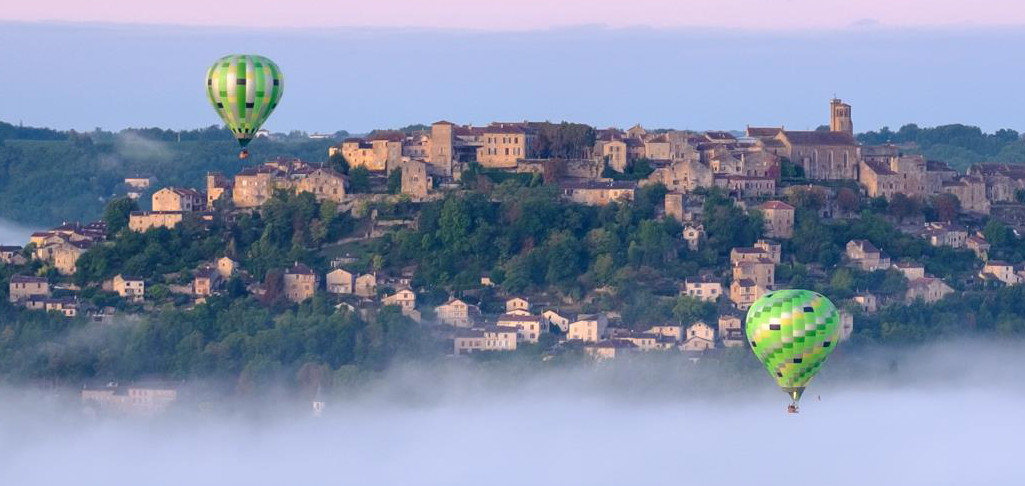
[(938, 414)]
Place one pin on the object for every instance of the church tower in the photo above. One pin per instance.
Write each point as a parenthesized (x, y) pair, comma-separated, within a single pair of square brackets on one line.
[(840, 117)]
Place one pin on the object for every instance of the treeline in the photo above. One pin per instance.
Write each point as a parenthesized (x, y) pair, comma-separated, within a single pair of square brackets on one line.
[(45, 179), (958, 145)]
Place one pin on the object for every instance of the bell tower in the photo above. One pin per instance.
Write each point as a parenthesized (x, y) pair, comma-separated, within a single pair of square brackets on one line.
[(840, 117)]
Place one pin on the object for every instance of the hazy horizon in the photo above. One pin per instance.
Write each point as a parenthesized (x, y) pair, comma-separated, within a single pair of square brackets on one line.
[(115, 76)]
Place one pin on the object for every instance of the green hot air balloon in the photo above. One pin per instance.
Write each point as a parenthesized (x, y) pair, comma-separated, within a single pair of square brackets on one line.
[(792, 332), (244, 89)]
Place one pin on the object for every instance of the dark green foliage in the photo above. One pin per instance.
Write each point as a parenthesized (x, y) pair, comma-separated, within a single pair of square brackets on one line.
[(395, 181), (359, 180), (117, 213), (958, 145)]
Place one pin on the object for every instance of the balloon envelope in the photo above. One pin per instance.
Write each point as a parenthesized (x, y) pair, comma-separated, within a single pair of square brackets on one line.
[(792, 332), (244, 89)]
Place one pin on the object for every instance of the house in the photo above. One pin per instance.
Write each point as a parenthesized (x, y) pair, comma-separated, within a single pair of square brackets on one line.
[(693, 236), (26, 286), (65, 255), (178, 199), (144, 399), (1002, 271), (205, 281), (366, 285), (130, 288), (528, 327), (672, 331), (945, 234), (773, 250), (226, 267), (744, 293), (731, 331), (11, 255), (404, 297), (517, 305), (554, 318), (141, 221), (868, 302), (700, 337), (415, 181), (325, 184), (340, 281), (485, 339), (779, 219), (217, 187), (747, 254), (762, 271), (68, 307), (746, 186), (928, 289), (457, 312), (609, 349), (911, 270), (300, 283), (597, 193), (588, 328), (866, 256), (503, 145), (979, 245), (704, 287), (646, 341)]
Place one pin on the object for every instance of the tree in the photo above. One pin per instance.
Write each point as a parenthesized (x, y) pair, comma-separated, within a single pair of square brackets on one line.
[(847, 200), (359, 179), (947, 206), (337, 162), (117, 214), (902, 206), (395, 181)]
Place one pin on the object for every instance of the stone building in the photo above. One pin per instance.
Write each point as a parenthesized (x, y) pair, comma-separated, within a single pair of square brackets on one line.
[(457, 312), (178, 199), (588, 328), (504, 145), (217, 187), (704, 287), (415, 181), (340, 281), (485, 339), (300, 283), (928, 289), (528, 328), (366, 285), (26, 286), (595, 193), (141, 221), (700, 337), (442, 142), (325, 184), (130, 288), (779, 219)]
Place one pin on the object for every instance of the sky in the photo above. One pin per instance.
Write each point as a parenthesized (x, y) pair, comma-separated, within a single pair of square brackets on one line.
[(528, 14), (74, 73)]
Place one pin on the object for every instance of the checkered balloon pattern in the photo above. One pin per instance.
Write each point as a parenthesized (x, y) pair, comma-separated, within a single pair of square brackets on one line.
[(792, 332), (244, 89)]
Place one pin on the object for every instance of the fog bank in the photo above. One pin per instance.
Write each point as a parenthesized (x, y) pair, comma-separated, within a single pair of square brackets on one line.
[(13, 233), (939, 415)]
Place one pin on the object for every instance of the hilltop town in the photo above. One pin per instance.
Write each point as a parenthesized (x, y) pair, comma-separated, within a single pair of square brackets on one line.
[(707, 222)]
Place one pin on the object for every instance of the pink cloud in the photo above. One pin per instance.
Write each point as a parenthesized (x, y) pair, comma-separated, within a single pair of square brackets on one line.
[(528, 14)]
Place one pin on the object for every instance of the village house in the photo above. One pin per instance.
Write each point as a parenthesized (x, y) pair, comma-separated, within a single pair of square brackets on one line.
[(528, 327), (552, 317), (762, 272), (141, 221), (1001, 271), (700, 337), (505, 144), (773, 250), (928, 289), (779, 219), (979, 246), (26, 286), (970, 192), (597, 193), (643, 341), (403, 297), (744, 293), (366, 285), (731, 331), (65, 255), (129, 288), (588, 328), (672, 331), (66, 306), (704, 287), (1002, 181), (11, 255), (226, 267), (178, 199), (339, 281), (611, 147), (205, 281), (218, 187), (144, 399), (325, 184), (485, 339), (693, 236), (376, 155), (868, 302), (518, 306), (254, 186), (415, 181), (609, 349), (866, 256), (945, 234), (300, 283), (746, 187), (681, 176), (747, 254), (457, 313), (911, 270)]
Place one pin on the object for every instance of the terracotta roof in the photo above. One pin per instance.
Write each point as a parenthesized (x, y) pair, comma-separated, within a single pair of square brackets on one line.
[(776, 205), (763, 131)]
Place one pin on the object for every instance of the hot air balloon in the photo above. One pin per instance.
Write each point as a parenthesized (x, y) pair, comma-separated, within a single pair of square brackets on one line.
[(244, 89), (792, 332)]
